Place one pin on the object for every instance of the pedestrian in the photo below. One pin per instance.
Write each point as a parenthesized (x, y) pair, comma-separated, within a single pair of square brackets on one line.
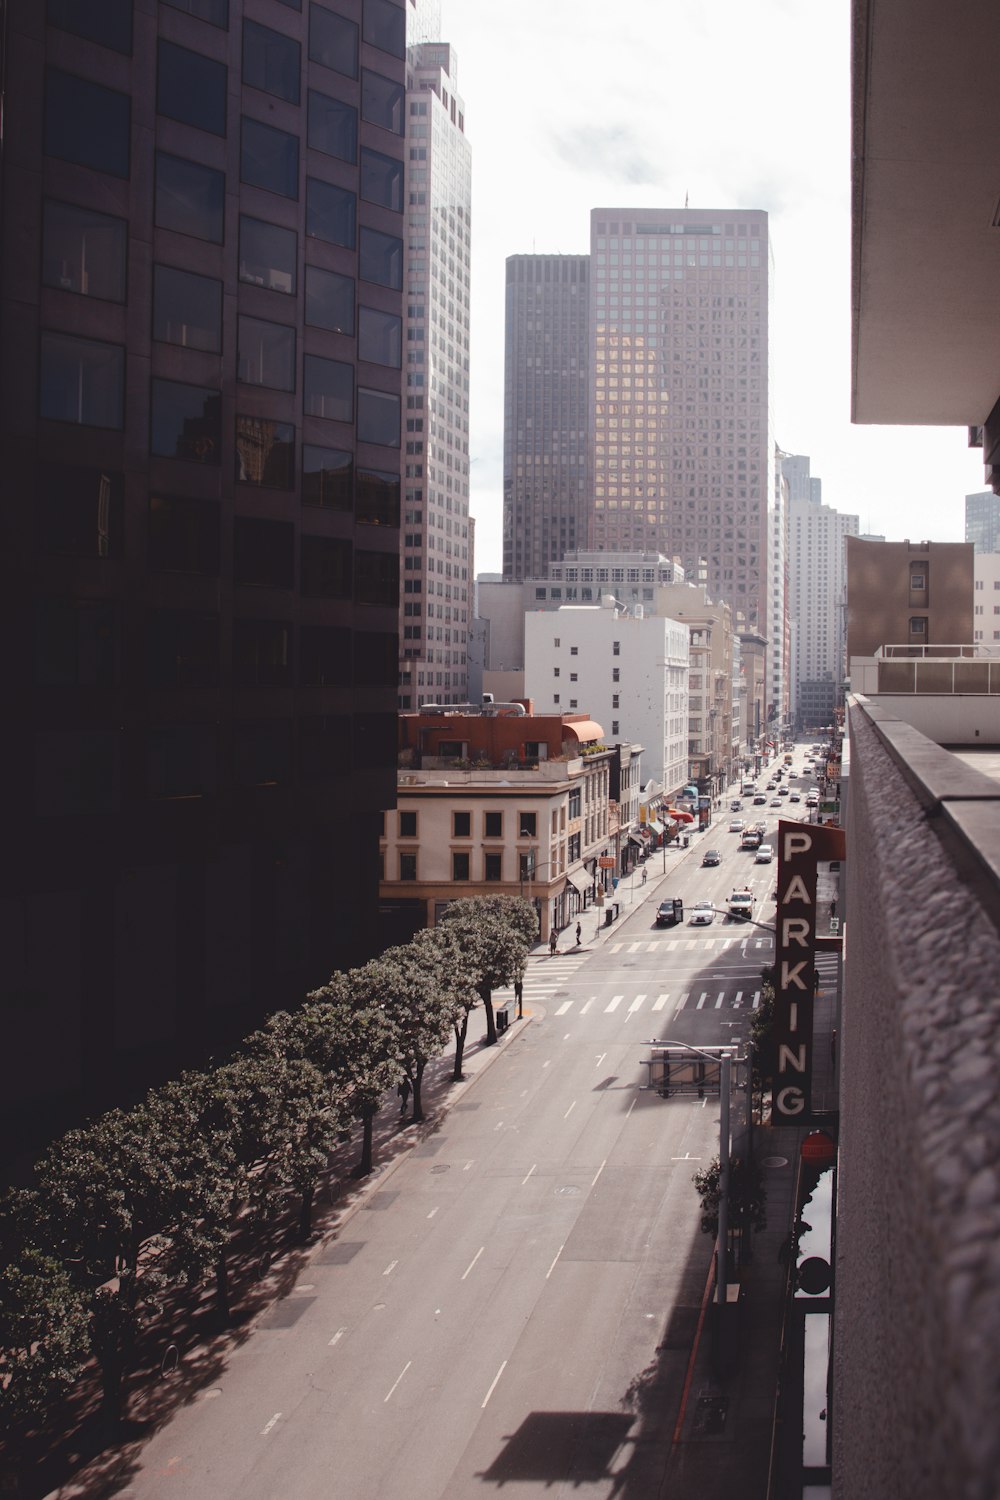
[(645, 872), (553, 942), (403, 1090), (579, 934)]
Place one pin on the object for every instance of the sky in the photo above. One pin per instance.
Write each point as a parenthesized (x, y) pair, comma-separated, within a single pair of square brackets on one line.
[(575, 104)]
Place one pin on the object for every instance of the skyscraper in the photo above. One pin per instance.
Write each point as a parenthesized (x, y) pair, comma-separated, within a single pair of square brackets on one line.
[(817, 577), (982, 521), (200, 417), (680, 394), (545, 412), (436, 603)]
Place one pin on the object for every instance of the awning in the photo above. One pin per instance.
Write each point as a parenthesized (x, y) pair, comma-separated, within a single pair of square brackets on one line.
[(581, 880), (678, 812), (654, 825), (635, 838)]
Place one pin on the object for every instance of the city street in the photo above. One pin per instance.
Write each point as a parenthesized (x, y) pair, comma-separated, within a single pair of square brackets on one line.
[(520, 1301)]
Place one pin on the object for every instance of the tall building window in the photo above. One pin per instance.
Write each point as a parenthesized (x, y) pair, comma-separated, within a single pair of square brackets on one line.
[(87, 123), (378, 417), (380, 337), (459, 866), (381, 258), (190, 198), (382, 101), (271, 61), (266, 354), (80, 511), (327, 477), (381, 179), (109, 24), (190, 87), (265, 452), (215, 12), (331, 213), (384, 25), (493, 867), (329, 388), (269, 158), (187, 309), (186, 422), (268, 255), (332, 126), (81, 381), (83, 251), (263, 553), (329, 301), (183, 535), (333, 41)]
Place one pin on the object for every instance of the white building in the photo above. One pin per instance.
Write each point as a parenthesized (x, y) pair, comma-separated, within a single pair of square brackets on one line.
[(436, 544), (817, 577), (986, 591), (628, 671)]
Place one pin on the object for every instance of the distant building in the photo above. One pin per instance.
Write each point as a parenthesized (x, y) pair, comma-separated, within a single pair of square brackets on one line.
[(982, 521), (817, 574), (629, 670), (914, 595), (545, 411)]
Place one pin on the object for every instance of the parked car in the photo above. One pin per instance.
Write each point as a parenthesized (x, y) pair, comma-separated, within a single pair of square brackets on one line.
[(669, 913), (711, 857), (702, 912), (764, 854)]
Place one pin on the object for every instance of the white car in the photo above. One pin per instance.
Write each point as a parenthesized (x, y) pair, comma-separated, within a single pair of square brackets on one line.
[(795, 797), (812, 800), (736, 826), (764, 854), (702, 912)]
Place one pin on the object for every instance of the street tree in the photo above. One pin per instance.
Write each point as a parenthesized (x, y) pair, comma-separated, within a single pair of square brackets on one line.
[(763, 1053), (426, 996), (496, 934), (747, 1206), (44, 1344), (347, 1017)]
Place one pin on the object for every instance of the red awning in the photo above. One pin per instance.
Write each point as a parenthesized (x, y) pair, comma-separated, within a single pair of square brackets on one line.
[(685, 817)]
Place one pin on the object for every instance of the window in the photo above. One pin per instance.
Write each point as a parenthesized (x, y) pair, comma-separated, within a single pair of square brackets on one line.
[(461, 825), (918, 625), (380, 337), (616, 648), (181, 761), (262, 753), (326, 567), (381, 180), (183, 535), (268, 255), (573, 676), (83, 251), (460, 867), (86, 124), (263, 553), (190, 87), (327, 477), (575, 802), (261, 652), (269, 158), (616, 674), (80, 511), (382, 101), (376, 577), (186, 422), (493, 867), (182, 648), (76, 643), (381, 258), (324, 656), (385, 26), (574, 651), (614, 700), (190, 198), (332, 126), (109, 24), (330, 213), (493, 825), (377, 502), (333, 41), (527, 824), (81, 381), (215, 12), (187, 309), (265, 452), (271, 61), (378, 417), (918, 581), (329, 300), (614, 726), (329, 388), (407, 867), (407, 825), (573, 847), (556, 671), (266, 354)]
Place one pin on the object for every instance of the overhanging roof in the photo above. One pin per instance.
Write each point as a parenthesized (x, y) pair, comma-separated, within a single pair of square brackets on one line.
[(926, 187)]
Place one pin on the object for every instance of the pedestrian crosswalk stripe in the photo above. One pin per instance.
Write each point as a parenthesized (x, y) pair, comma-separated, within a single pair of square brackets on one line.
[(660, 1002), (739, 998), (636, 1003), (616, 1000), (756, 999), (564, 1007), (718, 1003), (584, 1009), (701, 1002)]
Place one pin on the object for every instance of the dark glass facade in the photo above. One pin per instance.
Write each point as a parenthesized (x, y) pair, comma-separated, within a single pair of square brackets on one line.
[(200, 512)]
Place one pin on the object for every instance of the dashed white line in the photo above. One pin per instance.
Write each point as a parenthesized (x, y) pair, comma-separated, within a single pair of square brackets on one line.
[(336, 1337), (529, 1172), (468, 1166), (632, 1106), (570, 1110), (598, 1172), (267, 1428), (722, 996), (472, 1262), (554, 1259), (398, 1378), (494, 1385), (756, 999), (739, 999), (600, 1059), (390, 1267), (546, 1063), (433, 1211)]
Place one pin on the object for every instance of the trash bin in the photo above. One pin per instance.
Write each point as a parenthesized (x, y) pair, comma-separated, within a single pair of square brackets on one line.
[(687, 840), (502, 1015)]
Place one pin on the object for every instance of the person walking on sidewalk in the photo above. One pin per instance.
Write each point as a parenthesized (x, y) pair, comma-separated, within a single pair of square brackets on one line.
[(579, 934), (553, 942), (645, 872), (403, 1090)]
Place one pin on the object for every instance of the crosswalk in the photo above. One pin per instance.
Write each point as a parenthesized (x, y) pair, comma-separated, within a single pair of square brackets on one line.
[(715, 941), (695, 998)]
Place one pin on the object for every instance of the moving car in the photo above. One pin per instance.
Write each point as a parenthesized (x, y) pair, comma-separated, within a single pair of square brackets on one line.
[(776, 802), (711, 857), (702, 912), (812, 800), (736, 805), (736, 826), (764, 854), (741, 904), (759, 800), (751, 839), (795, 797)]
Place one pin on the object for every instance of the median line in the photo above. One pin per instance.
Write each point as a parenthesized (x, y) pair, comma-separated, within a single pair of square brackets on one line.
[(493, 1387), (398, 1378), (554, 1259), (472, 1262)]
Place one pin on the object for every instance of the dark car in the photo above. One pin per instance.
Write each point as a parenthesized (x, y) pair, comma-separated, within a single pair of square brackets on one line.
[(712, 857), (669, 913)]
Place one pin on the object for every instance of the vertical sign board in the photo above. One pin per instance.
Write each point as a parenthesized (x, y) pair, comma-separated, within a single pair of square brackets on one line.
[(801, 847)]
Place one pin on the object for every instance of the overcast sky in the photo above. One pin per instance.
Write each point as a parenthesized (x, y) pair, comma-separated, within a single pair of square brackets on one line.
[(575, 104)]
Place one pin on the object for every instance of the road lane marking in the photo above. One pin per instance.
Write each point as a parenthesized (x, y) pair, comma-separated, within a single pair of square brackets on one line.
[(433, 1212), (472, 1262), (756, 999), (739, 999), (494, 1385), (555, 1258), (498, 1126), (337, 1337), (632, 1106), (660, 1001), (266, 1429), (684, 1000), (718, 1003), (616, 947), (600, 1059), (468, 1165), (531, 1169), (570, 1110), (636, 1003), (616, 1000), (701, 1002), (584, 1008), (390, 1267), (567, 1035), (599, 1171), (564, 1007), (546, 1063), (634, 947), (398, 1378)]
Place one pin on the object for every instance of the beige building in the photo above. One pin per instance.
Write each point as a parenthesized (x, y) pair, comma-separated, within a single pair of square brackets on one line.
[(911, 594)]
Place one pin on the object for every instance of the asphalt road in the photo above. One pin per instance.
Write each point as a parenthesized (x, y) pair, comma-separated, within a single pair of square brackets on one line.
[(518, 1303)]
